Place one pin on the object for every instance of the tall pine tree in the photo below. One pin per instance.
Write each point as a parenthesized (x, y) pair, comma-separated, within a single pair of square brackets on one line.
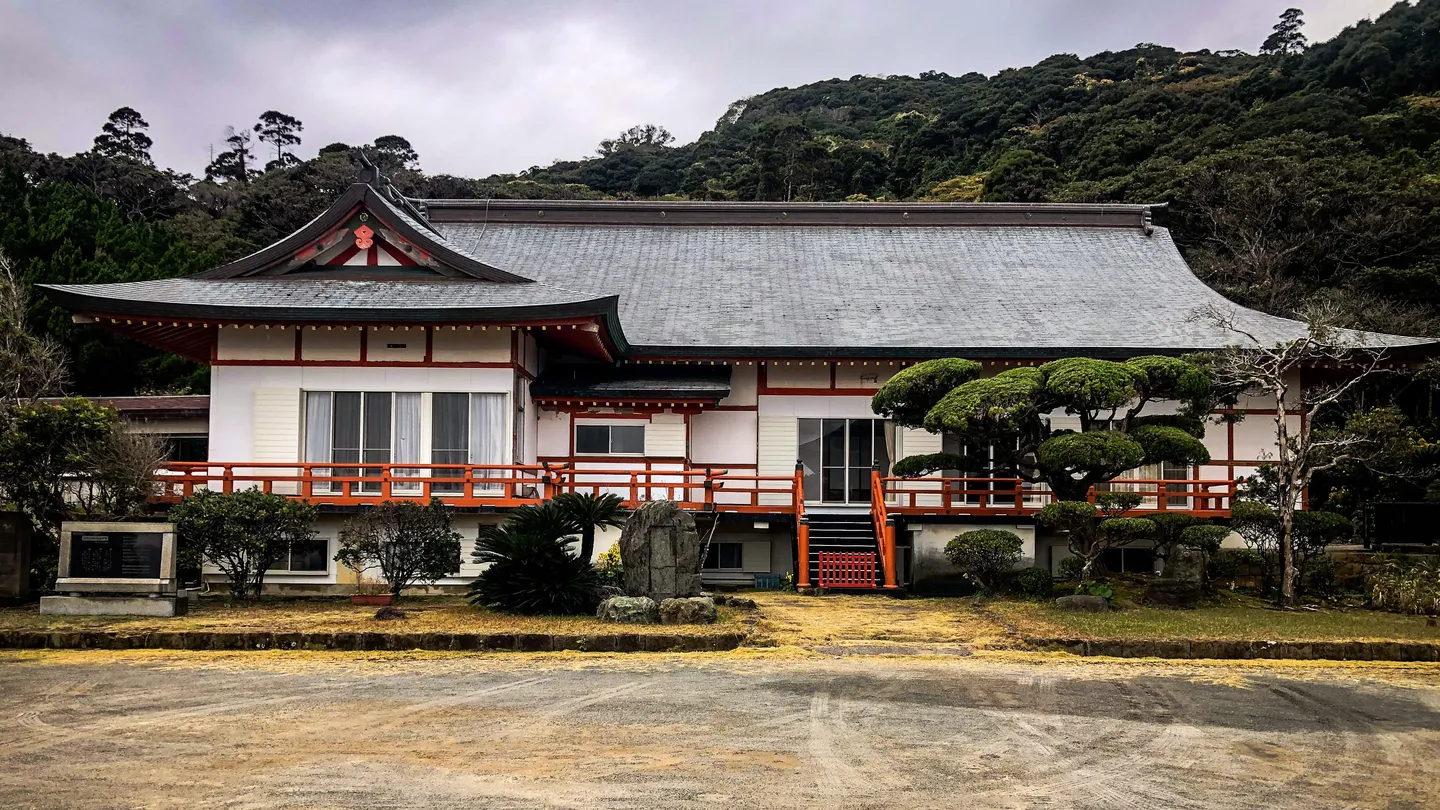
[(123, 136)]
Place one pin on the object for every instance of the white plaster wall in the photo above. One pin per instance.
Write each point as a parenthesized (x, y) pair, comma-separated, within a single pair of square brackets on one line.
[(255, 344), (552, 433), (723, 437), (744, 385), (816, 407), (858, 375), (460, 345), (232, 393), (928, 542), (1255, 436), (331, 344), (779, 375), (394, 344)]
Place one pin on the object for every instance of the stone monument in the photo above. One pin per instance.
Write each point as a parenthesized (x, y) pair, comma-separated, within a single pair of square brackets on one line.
[(661, 552), (15, 549), (1183, 582), (116, 569)]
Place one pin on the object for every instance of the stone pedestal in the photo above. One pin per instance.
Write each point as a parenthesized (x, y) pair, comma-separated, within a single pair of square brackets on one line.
[(661, 552), (163, 606)]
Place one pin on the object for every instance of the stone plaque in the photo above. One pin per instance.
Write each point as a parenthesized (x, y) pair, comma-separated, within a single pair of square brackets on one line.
[(116, 555)]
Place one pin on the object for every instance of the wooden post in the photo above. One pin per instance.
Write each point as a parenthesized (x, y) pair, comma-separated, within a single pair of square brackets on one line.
[(802, 552)]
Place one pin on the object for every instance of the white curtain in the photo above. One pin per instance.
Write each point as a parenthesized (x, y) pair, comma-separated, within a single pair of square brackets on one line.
[(487, 434), (318, 425), (407, 440)]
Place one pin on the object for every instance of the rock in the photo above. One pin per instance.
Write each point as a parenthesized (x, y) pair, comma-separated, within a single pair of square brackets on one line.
[(1185, 565), (1173, 593), (741, 603), (691, 610), (388, 612), (1083, 604), (719, 598), (660, 549), (629, 610)]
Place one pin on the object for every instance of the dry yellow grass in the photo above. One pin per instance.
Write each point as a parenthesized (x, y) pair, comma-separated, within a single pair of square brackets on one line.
[(788, 618), (439, 614), (1249, 620)]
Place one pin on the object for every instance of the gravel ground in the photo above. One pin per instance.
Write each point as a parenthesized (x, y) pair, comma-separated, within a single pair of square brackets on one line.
[(277, 730)]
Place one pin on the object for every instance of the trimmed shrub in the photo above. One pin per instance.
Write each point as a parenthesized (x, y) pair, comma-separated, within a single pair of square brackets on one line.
[(243, 533), (985, 556), (1071, 568), (1033, 582), (410, 543)]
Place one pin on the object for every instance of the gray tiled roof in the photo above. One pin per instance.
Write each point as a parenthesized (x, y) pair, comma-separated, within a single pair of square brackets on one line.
[(753, 279), (299, 296), (1005, 288), (632, 382)]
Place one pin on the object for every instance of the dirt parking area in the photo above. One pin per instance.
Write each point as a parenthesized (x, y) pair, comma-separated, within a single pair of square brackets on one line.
[(757, 728)]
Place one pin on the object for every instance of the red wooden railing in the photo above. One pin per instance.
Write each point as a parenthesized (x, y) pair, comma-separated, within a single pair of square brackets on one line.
[(496, 485), (1014, 497), (884, 528), (847, 569)]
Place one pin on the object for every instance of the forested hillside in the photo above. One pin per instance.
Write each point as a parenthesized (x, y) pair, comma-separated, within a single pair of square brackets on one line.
[(1308, 173)]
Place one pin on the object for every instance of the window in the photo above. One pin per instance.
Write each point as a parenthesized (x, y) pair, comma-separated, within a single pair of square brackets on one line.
[(378, 428), (1128, 560), (725, 557), (603, 440), (838, 456), (304, 558), (187, 448)]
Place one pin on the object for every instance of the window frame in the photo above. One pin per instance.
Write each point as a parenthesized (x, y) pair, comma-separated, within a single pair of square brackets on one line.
[(739, 550), (609, 429)]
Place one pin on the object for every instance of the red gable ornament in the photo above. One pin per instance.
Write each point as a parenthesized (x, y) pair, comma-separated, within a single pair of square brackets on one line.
[(364, 237)]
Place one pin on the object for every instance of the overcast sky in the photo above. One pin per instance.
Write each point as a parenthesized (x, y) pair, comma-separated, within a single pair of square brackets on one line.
[(481, 87)]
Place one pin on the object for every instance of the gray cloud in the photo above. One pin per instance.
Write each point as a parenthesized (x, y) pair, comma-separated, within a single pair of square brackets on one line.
[(482, 87)]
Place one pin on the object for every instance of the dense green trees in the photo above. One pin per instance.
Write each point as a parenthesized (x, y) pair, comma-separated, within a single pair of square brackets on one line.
[(1307, 170)]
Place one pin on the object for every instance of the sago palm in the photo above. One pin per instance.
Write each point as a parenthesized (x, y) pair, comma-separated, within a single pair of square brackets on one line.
[(590, 511)]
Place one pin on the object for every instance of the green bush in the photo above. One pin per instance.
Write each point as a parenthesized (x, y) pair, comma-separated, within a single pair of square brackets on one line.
[(1033, 582), (243, 533), (533, 572), (410, 543), (1071, 568), (1229, 564), (1405, 586), (985, 556)]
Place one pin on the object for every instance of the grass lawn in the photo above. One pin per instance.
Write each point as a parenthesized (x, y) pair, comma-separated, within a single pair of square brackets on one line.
[(431, 614), (1235, 619)]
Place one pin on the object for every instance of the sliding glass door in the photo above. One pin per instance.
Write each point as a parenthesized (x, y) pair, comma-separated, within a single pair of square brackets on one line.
[(838, 455), (352, 427)]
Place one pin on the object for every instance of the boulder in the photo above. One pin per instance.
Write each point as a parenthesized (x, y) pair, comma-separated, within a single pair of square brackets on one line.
[(1174, 593), (741, 603), (688, 610), (660, 549), (628, 610), (1185, 565), (388, 612), (1081, 603)]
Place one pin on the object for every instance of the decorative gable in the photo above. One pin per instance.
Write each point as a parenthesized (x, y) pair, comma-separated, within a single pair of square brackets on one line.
[(364, 229)]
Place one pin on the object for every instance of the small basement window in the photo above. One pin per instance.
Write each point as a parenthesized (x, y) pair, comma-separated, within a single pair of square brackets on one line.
[(604, 440), (305, 558), (1128, 560), (724, 557)]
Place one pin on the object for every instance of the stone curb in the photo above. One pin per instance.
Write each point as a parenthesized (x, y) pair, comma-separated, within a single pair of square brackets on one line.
[(1406, 651), (393, 642)]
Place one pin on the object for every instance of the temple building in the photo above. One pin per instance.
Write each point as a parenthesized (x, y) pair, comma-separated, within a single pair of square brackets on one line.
[(495, 352)]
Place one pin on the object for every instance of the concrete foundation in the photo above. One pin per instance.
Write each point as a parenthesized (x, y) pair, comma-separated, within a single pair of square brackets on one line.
[(165, 607)]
